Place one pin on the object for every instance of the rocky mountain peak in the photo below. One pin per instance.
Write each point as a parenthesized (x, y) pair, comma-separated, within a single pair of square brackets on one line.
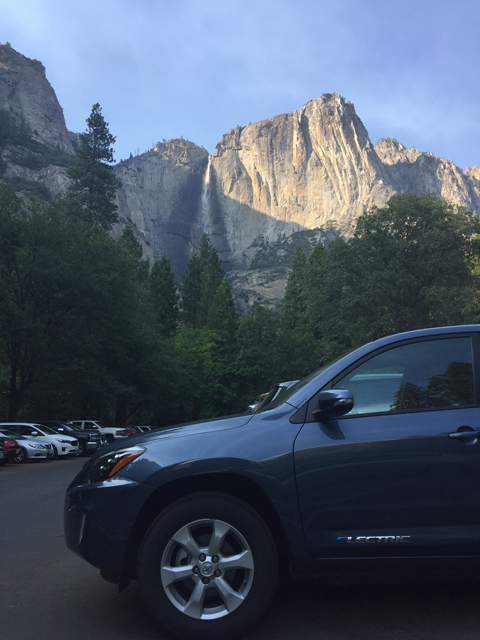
[(179, 151), (391, 152), (474, 172), (27, 96)]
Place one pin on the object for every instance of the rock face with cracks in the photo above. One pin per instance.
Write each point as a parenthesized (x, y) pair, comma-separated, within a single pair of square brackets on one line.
[(26, 95)]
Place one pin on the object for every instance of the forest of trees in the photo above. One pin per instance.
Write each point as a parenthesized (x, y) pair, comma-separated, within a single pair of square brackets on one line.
[(90, 330)]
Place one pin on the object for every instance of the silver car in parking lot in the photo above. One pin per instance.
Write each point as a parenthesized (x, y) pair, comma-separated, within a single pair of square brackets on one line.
[(30, 449)]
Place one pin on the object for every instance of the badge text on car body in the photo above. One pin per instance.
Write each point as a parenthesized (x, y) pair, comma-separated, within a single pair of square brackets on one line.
[(366, 539)]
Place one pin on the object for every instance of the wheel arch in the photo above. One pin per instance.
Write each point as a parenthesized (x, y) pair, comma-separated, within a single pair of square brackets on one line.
[(235, 485)]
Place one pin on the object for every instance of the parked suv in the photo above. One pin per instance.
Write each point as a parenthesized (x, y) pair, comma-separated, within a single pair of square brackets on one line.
[(111, 433), (89, 441), (371, 463)]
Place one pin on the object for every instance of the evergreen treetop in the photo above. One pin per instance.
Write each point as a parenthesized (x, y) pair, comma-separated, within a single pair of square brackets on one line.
[(294, 304), (164, 296), (92, 191), (203, 276)]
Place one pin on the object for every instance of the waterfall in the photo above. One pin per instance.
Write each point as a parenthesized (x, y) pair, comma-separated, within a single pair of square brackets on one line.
[(205, 221)]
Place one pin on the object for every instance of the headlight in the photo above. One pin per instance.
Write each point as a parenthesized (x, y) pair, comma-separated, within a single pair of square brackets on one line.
[(109, 464), (35, 446), (66, 441)]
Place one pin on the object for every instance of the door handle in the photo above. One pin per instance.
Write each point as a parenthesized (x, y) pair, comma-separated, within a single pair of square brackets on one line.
[(465, 435)]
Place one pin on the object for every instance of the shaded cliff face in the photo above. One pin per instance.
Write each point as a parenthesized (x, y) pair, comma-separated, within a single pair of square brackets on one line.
[(26, 94), (159, 196), (35, 146)]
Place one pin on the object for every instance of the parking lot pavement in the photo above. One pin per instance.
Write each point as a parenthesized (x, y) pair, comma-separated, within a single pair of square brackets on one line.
[(48, 593)]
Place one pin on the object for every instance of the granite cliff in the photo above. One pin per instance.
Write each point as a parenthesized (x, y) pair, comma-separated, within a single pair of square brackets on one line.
[(294, 178), (35, 146), (159, 196)]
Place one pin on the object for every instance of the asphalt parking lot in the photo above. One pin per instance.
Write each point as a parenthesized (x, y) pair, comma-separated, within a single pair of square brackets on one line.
[(48, 593)]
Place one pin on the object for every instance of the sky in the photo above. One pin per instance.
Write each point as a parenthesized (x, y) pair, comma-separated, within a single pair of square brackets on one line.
[(163, 69)]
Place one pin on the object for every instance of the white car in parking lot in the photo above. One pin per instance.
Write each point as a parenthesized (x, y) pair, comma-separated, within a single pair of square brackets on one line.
[(62, 445)]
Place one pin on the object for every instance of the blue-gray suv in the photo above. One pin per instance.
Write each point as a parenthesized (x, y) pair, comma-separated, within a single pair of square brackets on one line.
[(371, 463)]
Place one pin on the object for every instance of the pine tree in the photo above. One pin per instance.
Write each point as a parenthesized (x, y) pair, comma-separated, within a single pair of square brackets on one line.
[(294, 305), (200, 283), (212, 275), (128, 241), (191, 292), (164, 296), (222, 316), (92, 192)]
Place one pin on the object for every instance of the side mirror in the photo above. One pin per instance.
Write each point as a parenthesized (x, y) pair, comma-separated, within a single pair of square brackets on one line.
[(333, 404), (34, 433), (61, 430)]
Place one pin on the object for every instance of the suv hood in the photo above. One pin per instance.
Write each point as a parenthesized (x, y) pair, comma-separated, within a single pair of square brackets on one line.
[(180, 430)]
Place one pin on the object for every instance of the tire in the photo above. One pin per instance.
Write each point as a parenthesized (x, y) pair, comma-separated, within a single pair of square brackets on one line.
[(20, 457), (55, 452), (83, 448), (180, 554), (3, 462)]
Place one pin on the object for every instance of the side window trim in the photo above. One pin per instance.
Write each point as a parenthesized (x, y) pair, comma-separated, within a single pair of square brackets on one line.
[(475, 338), (475, 350)]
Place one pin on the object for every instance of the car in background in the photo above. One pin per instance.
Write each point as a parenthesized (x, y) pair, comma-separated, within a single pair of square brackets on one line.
[(370, 464), (143, 429), (275, 390), (63, 445), (12, 449), (89, 441), (3, 453), (110, 433), (132, 431), (30, 448)]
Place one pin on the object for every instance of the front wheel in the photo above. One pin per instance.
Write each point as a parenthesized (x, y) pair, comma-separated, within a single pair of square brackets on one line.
[(21, 456), (208, 567)]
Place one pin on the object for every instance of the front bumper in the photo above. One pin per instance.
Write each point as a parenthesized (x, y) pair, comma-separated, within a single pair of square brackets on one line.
[(99, 517), (37, 454), (68, 449)]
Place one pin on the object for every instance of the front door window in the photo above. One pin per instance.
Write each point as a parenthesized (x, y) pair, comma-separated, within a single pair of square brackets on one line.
[(420, 375)]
